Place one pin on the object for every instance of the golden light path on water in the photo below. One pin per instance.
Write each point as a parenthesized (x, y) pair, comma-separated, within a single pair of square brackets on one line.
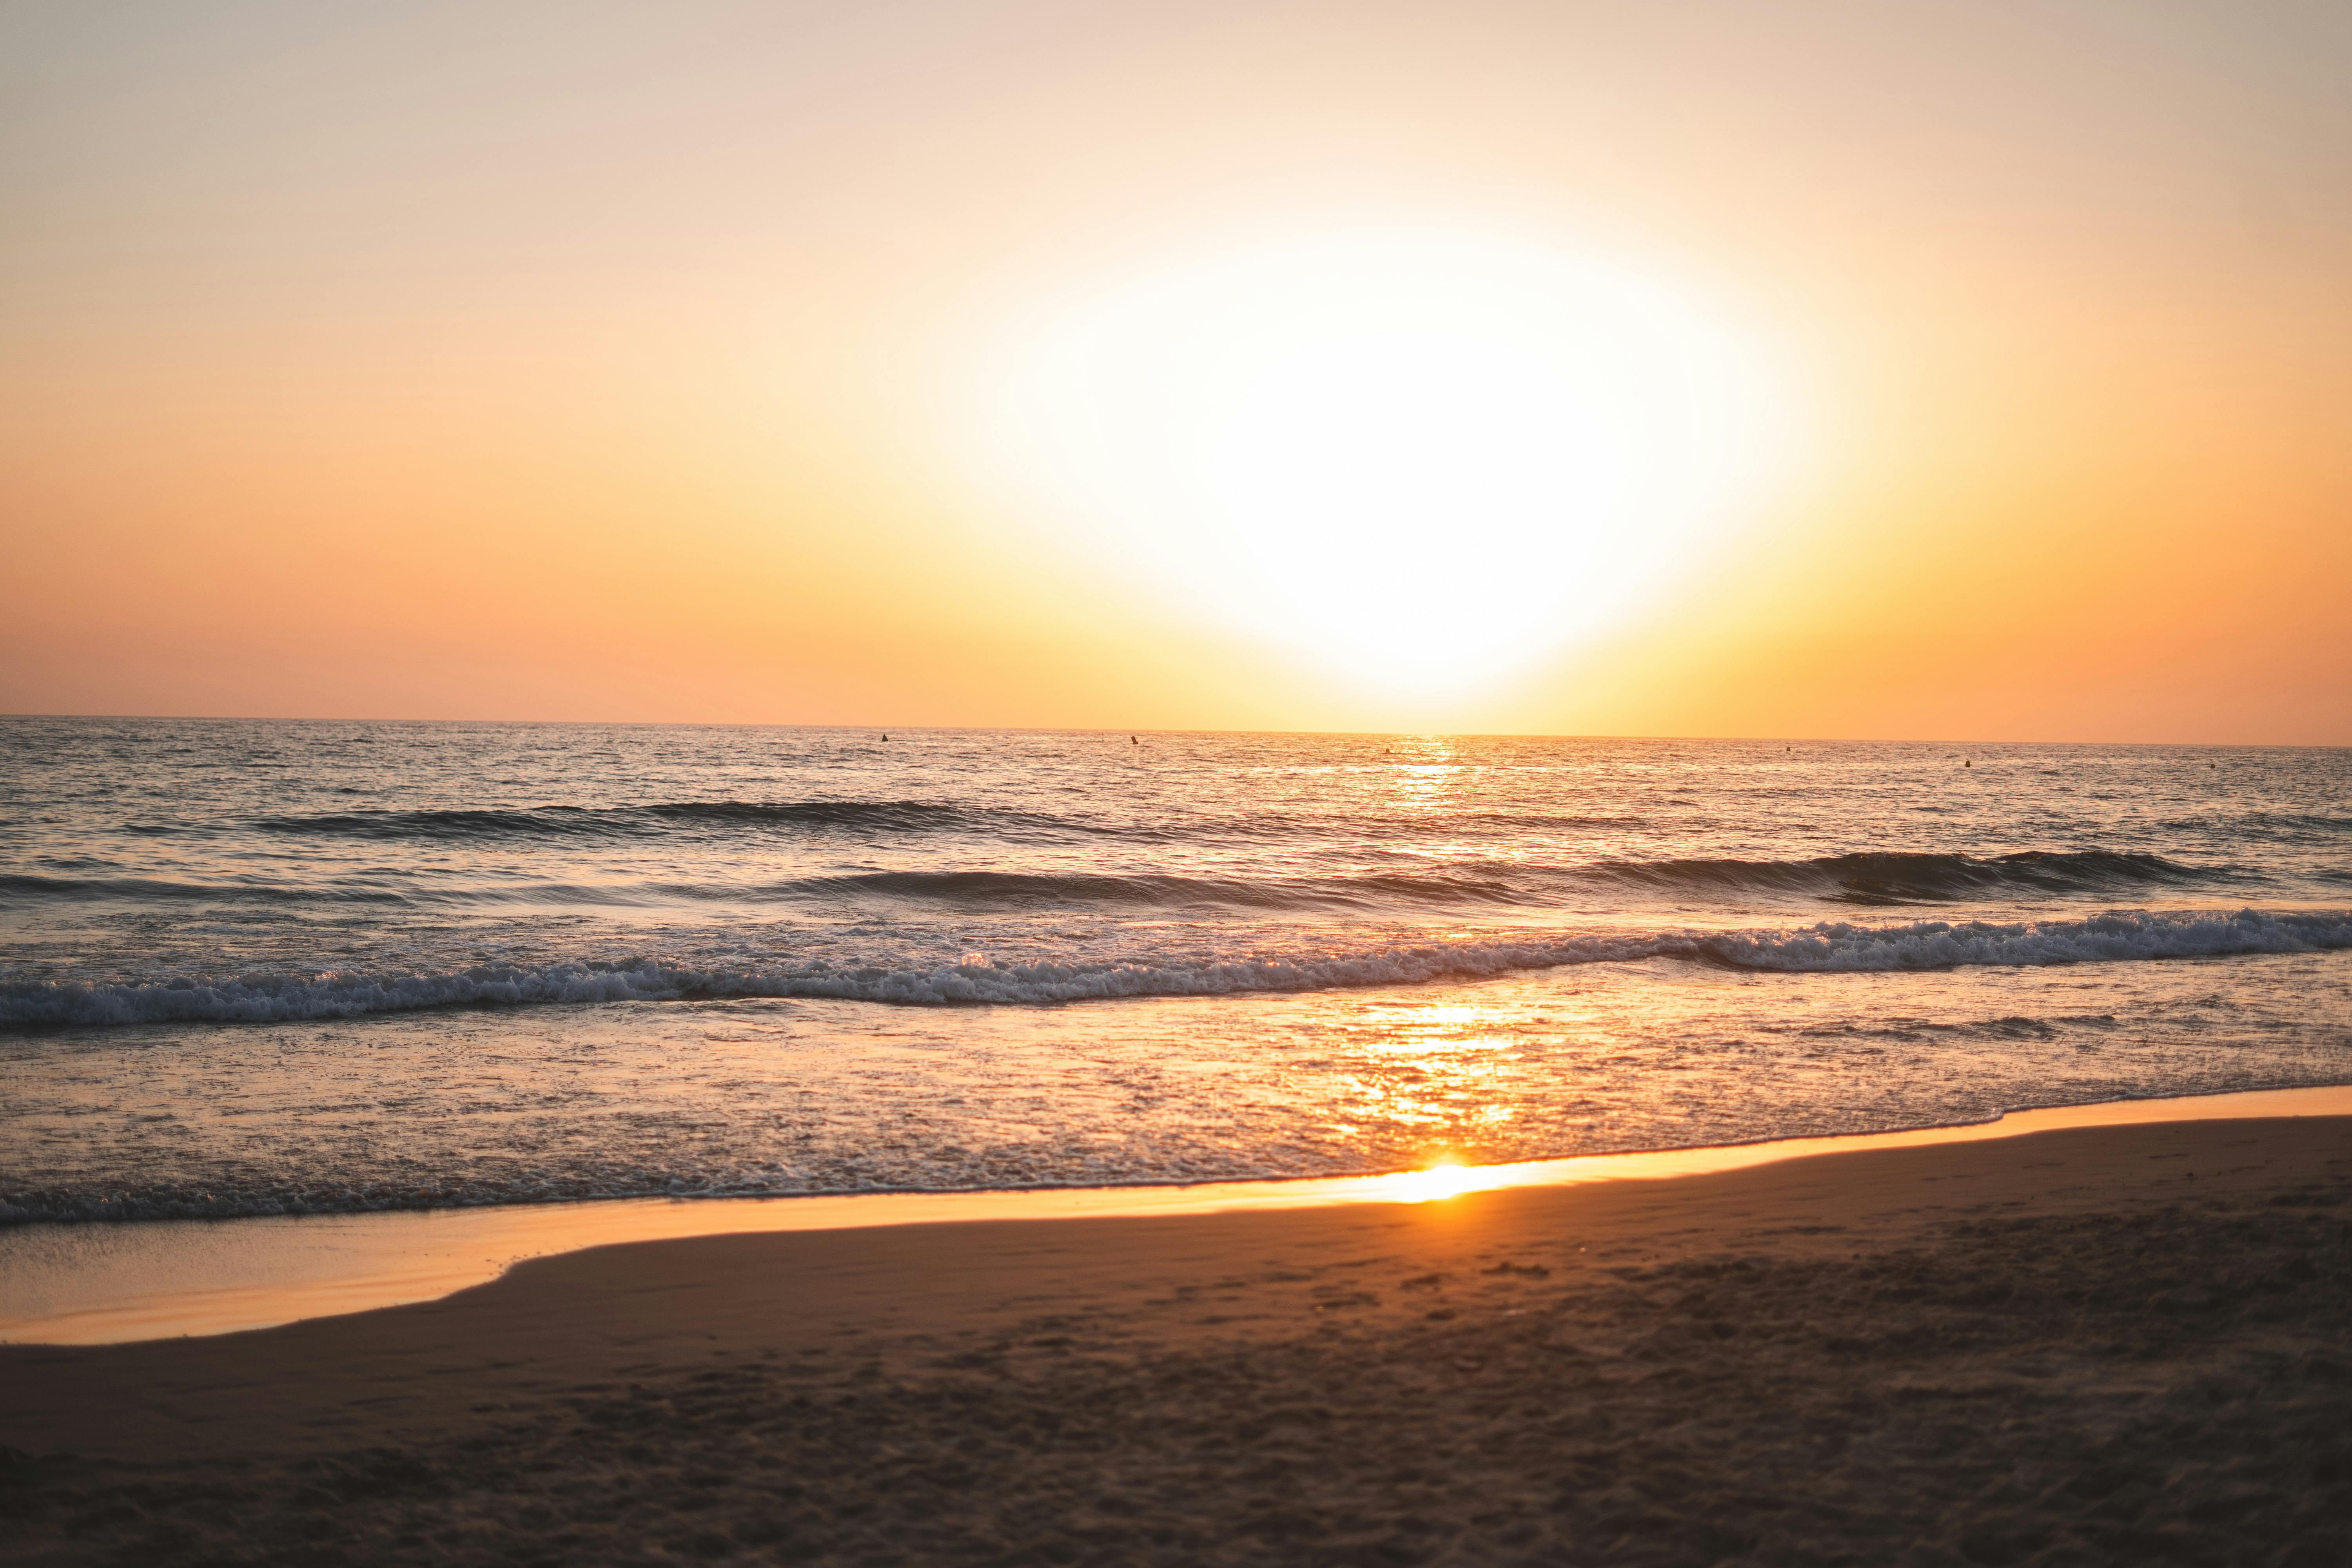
[(102, 1284)]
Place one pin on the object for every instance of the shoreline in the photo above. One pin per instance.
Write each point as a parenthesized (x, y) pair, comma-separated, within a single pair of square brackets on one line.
[(96, 1284)]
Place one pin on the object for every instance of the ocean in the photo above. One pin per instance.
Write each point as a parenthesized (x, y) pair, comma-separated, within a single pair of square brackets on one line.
[(278, 967)]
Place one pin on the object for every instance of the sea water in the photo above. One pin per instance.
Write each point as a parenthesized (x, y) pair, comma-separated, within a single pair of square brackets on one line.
[(254, 967)]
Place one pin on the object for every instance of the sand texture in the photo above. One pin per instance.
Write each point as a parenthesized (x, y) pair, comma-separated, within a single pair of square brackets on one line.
[(2127, 1345)]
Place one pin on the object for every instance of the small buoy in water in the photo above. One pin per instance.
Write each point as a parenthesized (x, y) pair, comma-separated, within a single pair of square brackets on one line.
[(886, 737), (1133, 741), (1968, 763)]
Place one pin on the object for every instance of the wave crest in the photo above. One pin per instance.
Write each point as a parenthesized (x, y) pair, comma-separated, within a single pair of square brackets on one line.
[(1897, 877), (1886, 879), (1928, 944), (875, 817)]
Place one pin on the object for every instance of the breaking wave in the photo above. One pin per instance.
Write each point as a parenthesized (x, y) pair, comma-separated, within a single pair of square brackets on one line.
[(1897, 877), (1880, 879), (1867, 879), (1928, 945)]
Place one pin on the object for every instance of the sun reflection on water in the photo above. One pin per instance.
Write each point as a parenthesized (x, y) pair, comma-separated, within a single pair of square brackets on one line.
[(1440, 1068)]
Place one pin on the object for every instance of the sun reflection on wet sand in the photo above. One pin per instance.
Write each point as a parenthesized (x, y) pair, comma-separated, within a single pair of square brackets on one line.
[(1446, 1179)]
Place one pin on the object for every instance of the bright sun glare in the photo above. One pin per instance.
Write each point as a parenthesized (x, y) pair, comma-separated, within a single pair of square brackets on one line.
[(1424, 457), (1446, 1179)]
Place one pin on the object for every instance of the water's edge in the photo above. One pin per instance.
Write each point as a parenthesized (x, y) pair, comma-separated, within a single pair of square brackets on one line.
[(79, 1284)]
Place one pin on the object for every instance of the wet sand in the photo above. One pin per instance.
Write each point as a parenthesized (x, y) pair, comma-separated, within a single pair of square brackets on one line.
[(2124, 1344)]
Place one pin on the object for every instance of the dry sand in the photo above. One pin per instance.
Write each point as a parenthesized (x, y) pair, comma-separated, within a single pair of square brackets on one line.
[(2105, 1345)]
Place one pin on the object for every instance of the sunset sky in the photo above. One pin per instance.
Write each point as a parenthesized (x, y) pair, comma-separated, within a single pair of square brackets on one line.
[(1901, 370)]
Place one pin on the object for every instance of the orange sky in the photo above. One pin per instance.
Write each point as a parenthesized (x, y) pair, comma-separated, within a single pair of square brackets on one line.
[(589, 362)]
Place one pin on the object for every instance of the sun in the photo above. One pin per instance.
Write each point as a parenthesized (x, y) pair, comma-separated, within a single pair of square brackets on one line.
[(1420, 455)]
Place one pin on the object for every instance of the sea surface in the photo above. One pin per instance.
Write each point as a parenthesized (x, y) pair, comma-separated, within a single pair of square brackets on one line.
[(254, 967)]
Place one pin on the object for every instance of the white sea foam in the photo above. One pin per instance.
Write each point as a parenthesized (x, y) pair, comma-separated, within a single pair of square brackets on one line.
[(2114, 936)]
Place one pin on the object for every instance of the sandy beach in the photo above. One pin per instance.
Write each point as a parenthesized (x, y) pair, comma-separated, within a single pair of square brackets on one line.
[(2111, 1344)]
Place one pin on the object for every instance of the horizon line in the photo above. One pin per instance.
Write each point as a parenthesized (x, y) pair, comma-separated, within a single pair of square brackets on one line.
[(886, 727)]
